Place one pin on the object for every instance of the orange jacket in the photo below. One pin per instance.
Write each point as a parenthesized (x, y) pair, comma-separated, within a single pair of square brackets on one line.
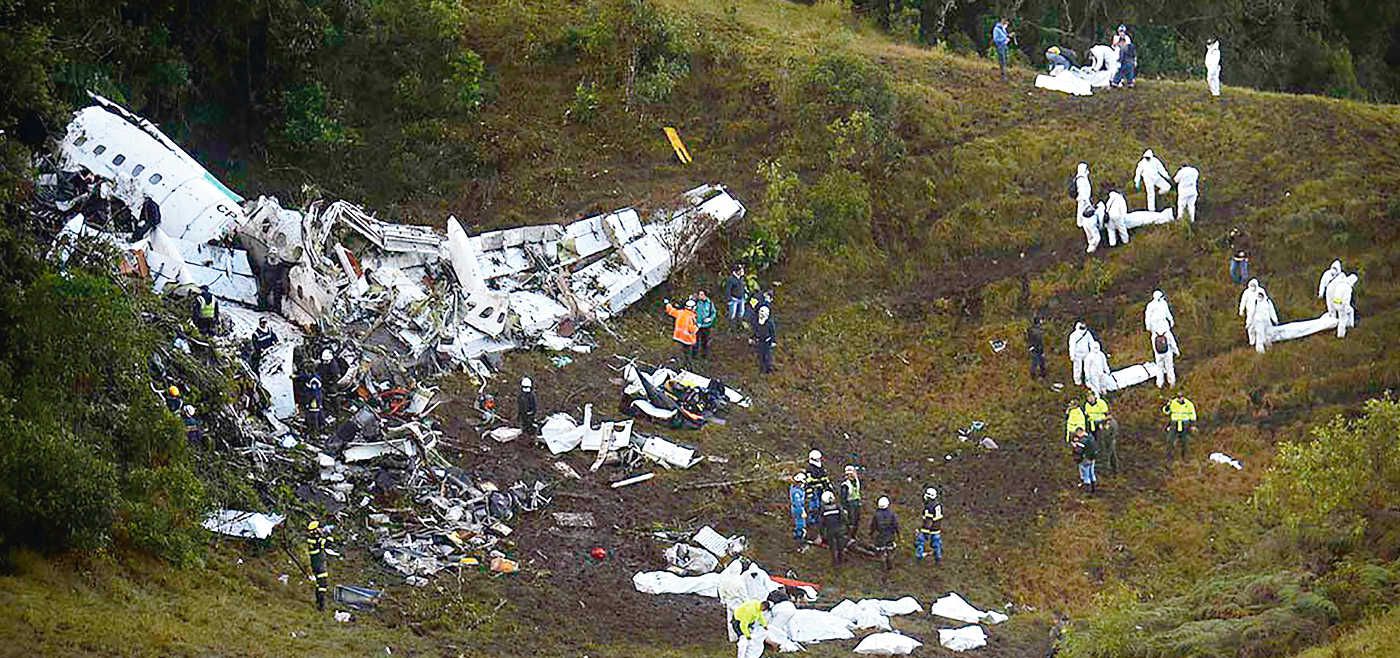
[(685, 324)]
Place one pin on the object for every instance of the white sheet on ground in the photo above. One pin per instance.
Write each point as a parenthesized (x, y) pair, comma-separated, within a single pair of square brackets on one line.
[(249, 525), (962, 639), (665, 582), (887, 644), (1066, 82), (789, 627), (1133, 375), (1222, 458), (860, 616), (1140, 218), (1292, 330), (955, 607)]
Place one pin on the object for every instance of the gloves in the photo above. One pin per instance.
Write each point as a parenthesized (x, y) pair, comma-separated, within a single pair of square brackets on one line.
[(737, 630)]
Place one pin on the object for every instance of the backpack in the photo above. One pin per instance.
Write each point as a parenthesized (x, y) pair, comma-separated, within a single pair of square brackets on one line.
[(1073, 187), (1159, 343)]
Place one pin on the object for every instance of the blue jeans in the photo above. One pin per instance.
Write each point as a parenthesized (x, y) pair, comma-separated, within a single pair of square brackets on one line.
[(933, 538), (1001, 58), (799, 524), (736, 308), (1127, 72), (1239, 271), (1086, 472)]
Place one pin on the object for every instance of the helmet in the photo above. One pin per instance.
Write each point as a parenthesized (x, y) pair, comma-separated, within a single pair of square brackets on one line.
[(814, 457), (1122, 28), (930, 493), (690, 303), (327, 355), (800, 477), (526, 384), (883, 503), (174, 391), (850, 469), (828, 497), (189, 410), (314, 525), (314, 382), (1054, 50)]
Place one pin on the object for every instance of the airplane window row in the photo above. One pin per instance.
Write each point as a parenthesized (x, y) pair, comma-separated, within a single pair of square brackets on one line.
[(117, 161)]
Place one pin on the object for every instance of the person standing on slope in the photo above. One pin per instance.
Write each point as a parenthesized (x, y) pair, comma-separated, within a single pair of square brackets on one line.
[(1213, 66), (1152, 174), (1186, 178)]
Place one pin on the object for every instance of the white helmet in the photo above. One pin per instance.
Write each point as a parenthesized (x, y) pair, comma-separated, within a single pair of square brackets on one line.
[(850, 469), (800, 477), (828, 497), (883, 503), (327, 355), (930, 493), (526, 384), (814, 457)]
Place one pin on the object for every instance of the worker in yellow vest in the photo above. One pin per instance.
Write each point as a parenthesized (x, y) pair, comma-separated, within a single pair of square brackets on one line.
[(1074, 420), (1181, 414), (751, 626), (316, 550)]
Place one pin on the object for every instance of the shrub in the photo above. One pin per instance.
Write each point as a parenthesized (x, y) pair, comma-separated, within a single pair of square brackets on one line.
[(584, 107), (840, 210)]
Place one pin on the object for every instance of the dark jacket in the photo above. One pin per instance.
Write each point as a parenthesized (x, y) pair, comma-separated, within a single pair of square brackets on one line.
[(1035, 338), (263, 339), (526, 406), (1088, 448), (833, 523), (734, 287), (884, 527), (933, 516), (817, 480), (766, 333)]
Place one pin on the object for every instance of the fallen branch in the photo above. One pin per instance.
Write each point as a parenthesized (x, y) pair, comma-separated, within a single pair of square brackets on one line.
[(726, 483)]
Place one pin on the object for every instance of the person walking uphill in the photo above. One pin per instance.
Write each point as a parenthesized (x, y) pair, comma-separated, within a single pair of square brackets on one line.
[(1182, 420), (705, 316), (686, 328), (1001, 38), (1035, 346), (1086, 451), (316, 550), (930, 532)]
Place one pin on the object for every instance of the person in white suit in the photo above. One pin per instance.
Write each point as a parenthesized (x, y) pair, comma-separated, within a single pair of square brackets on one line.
[(1186, 178), (1081, 342), (1247, 300), (1152, 174), (1114, 212), (1327, 275), (1164, 352), (1339, 293), (1158, 310), (1262, 316), (1097, 376), (1213, 66)]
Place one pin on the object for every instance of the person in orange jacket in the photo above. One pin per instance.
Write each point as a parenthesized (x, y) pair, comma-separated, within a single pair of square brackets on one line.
[(686, 327)]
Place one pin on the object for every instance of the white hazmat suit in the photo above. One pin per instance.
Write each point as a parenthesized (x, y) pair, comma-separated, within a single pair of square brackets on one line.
[(1186, 178), (732, 591), (1247, 300), (1082, 192), (1213, 67), (1165, 354), (1327, 276), (1092, 222), (1339, 302), (1152, 174), (1262, 317), (1158, 311), (1081, 342), (1097, 375), (1114, 213)]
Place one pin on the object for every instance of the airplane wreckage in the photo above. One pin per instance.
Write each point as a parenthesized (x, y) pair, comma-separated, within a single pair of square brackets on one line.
[(422, 296)]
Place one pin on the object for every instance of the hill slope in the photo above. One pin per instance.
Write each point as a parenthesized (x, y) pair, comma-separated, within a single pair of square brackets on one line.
[(927, 218)]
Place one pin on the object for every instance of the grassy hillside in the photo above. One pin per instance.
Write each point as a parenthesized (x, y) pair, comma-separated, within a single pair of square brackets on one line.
[(921, 210)]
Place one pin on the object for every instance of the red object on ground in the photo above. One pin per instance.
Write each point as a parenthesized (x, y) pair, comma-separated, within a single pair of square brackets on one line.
[(788, 582), (598, 553)]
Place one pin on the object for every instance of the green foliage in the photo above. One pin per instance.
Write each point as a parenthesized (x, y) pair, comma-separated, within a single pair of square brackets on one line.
[(840, 210), (584, 107), (838, 84), (1349, 469), (308, 118), (91, 454), (783, 212)]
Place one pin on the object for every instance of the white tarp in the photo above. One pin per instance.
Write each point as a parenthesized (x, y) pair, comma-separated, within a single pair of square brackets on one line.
[(1066, 82), (789, 625), (962, 639), (875, 613), (248, 525), (1140, 218), (887, 644), (665, 582), (1222, 458), (1292, 330), (956, 608), (1133, 375)]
